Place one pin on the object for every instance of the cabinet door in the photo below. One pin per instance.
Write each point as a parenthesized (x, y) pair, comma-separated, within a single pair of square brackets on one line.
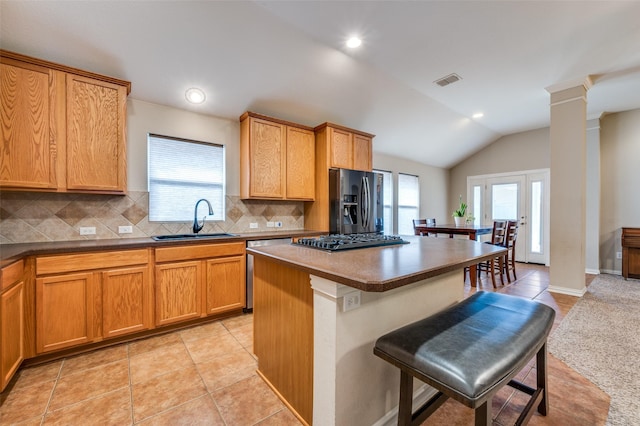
[(29, 125), (96, 113), (267, 157), (178, 292), (126, 303), (341, 150), (65, 307), (11, 332), (225, 284), (362, 153), (301, 169)]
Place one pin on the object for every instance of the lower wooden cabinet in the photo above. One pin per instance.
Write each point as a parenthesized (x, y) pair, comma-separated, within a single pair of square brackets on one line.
[(12, 321), (178, 292), (76, 303), (212, 283), (127, 305)]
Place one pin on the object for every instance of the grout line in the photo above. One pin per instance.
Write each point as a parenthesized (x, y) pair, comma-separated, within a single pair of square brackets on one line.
[(130, 383)]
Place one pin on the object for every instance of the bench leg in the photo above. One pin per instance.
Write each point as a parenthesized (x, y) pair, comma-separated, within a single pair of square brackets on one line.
[(406, 399), (542, 379), (483, 414)]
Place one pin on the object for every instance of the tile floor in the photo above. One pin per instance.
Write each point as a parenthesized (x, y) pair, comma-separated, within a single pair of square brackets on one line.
[(206, 375)]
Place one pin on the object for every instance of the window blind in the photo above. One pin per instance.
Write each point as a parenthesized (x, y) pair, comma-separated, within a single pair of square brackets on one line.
[(181, 172), (408, 202)]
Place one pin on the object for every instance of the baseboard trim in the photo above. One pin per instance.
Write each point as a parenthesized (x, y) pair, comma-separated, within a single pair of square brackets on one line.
[(420, 396), (567, 291), (592, 271), (611, 271)]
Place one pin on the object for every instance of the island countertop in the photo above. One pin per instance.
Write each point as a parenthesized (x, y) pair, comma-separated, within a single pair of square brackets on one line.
[(379, 269)]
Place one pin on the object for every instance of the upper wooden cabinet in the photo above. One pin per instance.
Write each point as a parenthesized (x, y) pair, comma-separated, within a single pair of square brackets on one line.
[(277, 159), (63, 129), (345, 148)]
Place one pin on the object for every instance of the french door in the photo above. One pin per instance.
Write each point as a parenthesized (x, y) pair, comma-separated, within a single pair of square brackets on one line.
[(523, 197)]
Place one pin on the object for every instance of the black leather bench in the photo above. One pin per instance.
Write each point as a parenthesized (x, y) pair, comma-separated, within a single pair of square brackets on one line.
[(468, 352)]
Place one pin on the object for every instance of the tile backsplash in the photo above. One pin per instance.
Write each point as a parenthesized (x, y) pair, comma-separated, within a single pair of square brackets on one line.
[(34, 217)]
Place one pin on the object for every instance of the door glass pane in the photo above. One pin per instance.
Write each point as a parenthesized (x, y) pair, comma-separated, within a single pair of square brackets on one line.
[(387, 186), (535, 217), (504, 201), (477, 202)]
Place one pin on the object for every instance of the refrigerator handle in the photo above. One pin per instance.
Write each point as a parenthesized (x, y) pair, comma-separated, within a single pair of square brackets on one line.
[(365, 200)]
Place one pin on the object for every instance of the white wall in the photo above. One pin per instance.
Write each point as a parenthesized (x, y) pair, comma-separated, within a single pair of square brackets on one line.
[(144, 117), (433, 185), (620, 183)]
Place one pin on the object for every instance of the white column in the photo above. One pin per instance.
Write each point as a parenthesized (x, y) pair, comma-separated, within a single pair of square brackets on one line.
[(568, 187), (592, 255)]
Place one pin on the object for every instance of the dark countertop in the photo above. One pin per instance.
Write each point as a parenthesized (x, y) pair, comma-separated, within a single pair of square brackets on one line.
[(9, 253), (384, 268)]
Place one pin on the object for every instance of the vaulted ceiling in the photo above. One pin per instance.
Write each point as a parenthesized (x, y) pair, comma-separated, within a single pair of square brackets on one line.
[(288, 59)]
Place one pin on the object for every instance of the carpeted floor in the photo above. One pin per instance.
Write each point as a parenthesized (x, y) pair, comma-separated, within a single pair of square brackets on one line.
[(600, 338)]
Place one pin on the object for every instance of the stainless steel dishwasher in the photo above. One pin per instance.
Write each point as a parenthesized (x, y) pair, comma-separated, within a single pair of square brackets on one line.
[(258, 243)]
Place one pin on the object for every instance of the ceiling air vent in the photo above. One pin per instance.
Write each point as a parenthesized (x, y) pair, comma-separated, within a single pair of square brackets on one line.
[(447, 80)]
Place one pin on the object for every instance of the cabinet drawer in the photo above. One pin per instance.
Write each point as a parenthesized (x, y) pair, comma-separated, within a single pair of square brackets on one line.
[(200, 251), (86, 261), (11, 274)]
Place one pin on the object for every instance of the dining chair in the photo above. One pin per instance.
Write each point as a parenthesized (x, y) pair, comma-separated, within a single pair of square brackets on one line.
[(497, 264), (418, 222), (510, 244), (431, 221)]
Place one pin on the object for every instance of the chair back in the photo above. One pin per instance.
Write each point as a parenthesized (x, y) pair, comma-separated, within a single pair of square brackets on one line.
[(431, 221), (418, 222), (511, 235), (499, 232)]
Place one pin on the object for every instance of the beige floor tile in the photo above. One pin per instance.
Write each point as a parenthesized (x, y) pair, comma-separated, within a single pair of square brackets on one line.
[(200, 411), (227, 369), (240, 407), (159, 361), (113, 408), (25, 403), (237, 321), (203, 331), (36, 421), (163, 392), (151, 343), (37, 374), (206, 348), (89, 383), (281, 418), (93, 359)]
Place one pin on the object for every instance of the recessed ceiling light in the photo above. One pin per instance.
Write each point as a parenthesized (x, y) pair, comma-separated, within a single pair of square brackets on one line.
[(478, 115), (354, 42), (195, 95)]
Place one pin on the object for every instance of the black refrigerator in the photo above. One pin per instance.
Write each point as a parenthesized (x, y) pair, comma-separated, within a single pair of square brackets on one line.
[(355, 202)]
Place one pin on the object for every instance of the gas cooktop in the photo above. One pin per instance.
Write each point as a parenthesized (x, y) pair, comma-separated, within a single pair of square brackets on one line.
[(337, 242)]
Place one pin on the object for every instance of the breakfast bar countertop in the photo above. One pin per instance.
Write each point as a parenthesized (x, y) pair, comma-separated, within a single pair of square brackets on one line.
[(379, 269)]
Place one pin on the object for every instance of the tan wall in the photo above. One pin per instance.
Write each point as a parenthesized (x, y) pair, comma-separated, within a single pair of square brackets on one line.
[(433, 185), (620, 180), (517, 152)]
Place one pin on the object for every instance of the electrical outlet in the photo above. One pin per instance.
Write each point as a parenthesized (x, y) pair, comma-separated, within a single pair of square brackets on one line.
[(87, 230), (278, 224), (618, 255), (351, 301), (253, 225), (125, 229), (270, 224)]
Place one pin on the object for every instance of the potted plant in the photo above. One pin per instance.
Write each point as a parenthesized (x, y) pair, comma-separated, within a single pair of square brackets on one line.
[(459, 213)]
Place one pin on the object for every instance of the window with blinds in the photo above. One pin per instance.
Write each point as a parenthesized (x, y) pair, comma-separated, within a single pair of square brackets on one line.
[(180, 173), (408, 202), (387, 179)]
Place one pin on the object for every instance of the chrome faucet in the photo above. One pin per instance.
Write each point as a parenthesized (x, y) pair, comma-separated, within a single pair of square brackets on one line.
[(196, 226)]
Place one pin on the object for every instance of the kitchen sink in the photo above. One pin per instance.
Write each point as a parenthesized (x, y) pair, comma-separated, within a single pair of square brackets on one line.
[(192, 236)]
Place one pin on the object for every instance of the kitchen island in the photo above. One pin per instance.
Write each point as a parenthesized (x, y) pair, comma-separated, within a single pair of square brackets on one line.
[(317, 315)]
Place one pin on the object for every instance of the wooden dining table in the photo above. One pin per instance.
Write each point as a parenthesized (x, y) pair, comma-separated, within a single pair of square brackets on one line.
[(472, 231)]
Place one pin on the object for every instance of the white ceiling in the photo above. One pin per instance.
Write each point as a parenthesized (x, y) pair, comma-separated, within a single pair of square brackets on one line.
[(287, 59)]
